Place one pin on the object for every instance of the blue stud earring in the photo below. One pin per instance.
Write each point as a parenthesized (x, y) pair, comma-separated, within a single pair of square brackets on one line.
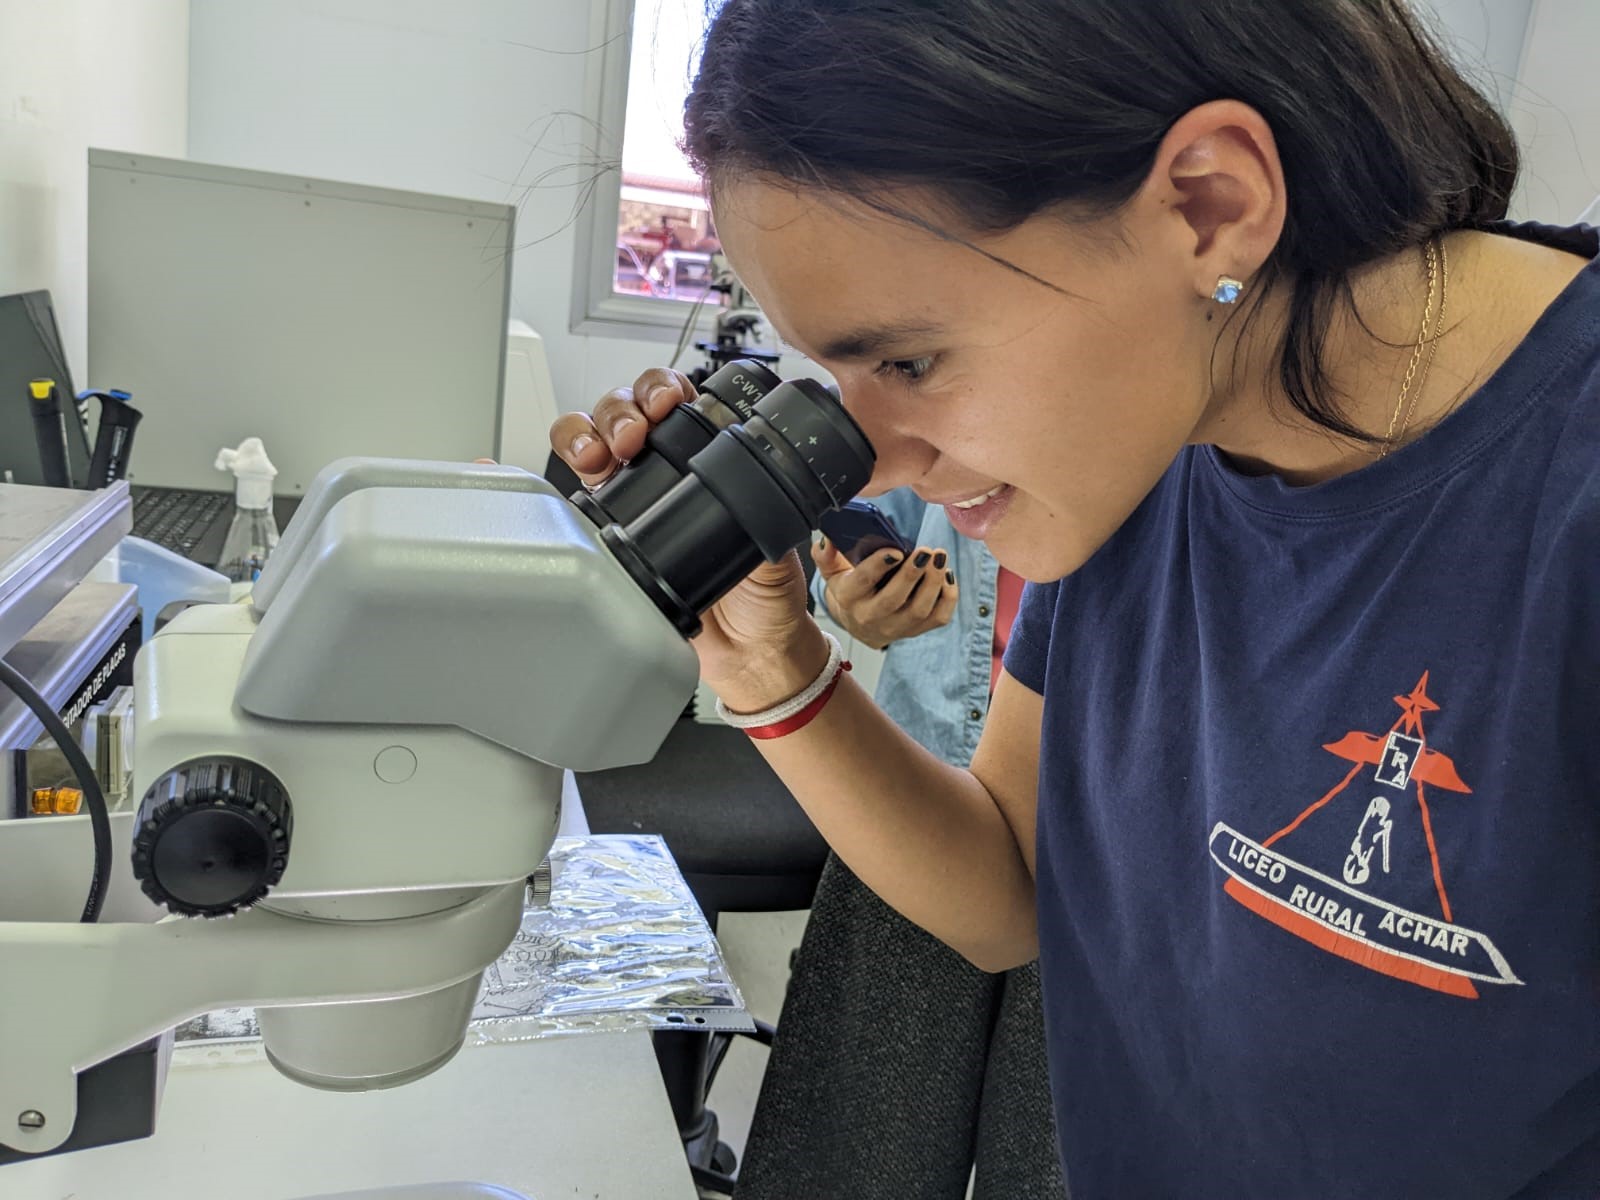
[(1228, 290)]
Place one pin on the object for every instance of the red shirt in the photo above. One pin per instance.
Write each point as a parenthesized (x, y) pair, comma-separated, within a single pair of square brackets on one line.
[(1007, 596)]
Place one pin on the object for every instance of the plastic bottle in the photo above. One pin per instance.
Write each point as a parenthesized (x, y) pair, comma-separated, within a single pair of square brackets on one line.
[(254, 533)]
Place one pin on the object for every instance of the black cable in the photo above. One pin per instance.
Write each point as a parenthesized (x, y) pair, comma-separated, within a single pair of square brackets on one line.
[(720, 1043), (99, 816), (688, 324), (762, 1032)]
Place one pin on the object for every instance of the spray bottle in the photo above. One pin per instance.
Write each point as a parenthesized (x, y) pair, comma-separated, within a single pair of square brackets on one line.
[(254, 532)]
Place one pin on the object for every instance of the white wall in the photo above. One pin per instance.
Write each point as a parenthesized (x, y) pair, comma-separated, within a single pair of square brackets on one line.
[(75, 74), (1487, 36), (1539, 58), (474, 98), (1557, 110)]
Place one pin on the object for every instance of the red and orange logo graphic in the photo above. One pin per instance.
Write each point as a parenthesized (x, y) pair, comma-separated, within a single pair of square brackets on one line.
[(1335, 914)]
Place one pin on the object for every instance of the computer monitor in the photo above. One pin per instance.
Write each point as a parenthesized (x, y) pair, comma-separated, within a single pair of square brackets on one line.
[(30, 348), (329, 319)]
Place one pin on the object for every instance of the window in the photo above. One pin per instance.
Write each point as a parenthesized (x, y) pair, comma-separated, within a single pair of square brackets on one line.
[(662, 215), (646, 238)]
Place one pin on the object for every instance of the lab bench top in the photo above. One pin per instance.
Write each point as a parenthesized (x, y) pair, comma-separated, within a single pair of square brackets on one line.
[(554, 1118)]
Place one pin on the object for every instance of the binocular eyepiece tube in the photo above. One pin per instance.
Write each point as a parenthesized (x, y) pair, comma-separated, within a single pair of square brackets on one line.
[(740, 475)]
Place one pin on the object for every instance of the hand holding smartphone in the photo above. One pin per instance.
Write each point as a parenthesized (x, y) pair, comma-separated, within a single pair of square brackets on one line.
[(859, 530), (891, 588)]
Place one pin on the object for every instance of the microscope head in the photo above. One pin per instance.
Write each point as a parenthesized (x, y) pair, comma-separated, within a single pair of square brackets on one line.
[(380, 746)]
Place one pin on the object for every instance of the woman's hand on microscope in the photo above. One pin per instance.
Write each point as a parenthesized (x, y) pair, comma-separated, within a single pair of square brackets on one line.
[(758, 646)]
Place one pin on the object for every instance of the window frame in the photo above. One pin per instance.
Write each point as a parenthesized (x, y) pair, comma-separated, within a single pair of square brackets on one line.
[(596, 307)]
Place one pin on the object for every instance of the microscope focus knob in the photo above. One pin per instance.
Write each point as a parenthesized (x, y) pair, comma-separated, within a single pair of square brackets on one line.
[(212, 836)]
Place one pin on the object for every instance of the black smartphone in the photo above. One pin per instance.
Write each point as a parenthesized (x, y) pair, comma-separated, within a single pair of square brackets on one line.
[(860, 530)]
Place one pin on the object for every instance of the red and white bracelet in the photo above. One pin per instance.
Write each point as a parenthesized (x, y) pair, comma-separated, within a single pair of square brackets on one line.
[(798, 710)]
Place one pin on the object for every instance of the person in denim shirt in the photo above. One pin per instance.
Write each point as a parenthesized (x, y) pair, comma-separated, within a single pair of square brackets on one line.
[(919, 686), (844, 1110)]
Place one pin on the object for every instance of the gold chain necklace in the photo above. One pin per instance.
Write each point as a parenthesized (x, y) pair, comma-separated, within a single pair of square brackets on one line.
[(1438, 286)]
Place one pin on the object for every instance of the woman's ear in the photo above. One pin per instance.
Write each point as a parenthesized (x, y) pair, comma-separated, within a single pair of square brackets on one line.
[(1218, 178)]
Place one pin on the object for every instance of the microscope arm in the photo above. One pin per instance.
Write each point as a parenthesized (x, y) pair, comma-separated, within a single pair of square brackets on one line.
[(103, 988)]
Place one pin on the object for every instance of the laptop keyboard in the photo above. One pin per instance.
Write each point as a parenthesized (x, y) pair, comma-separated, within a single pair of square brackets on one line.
[(175, 518)]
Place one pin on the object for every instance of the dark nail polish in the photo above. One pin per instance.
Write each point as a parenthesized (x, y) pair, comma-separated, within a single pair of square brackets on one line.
[(921, 560), (891, 559), (939, 561), (949, 576)]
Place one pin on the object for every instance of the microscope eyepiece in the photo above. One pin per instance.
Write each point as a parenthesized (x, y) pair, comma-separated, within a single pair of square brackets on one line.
[(741, 475), (727, 398)]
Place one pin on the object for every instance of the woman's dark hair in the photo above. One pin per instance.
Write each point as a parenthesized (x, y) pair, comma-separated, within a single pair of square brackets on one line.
[(1008, 108)]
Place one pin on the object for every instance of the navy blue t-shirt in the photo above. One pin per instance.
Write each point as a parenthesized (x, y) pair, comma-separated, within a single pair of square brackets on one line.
[(1319, 813)]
